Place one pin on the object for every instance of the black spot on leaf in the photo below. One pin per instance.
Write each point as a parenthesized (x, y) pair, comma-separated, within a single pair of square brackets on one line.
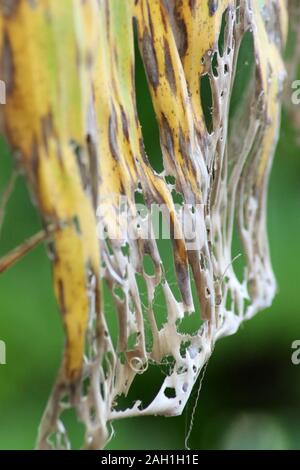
[(112, 135), (150, 60), (169, 69), (212, 6)]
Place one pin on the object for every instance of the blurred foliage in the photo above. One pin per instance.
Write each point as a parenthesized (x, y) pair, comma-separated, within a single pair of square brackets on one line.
[(251, 392)]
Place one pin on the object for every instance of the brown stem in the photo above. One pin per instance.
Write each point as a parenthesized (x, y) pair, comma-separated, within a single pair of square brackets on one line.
[(17, 253)]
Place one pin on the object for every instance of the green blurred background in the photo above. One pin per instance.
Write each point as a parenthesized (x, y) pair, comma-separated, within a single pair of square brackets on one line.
[(250, 398)]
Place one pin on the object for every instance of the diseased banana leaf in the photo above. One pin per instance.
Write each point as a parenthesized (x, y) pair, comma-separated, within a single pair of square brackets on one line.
[(71, 120)]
